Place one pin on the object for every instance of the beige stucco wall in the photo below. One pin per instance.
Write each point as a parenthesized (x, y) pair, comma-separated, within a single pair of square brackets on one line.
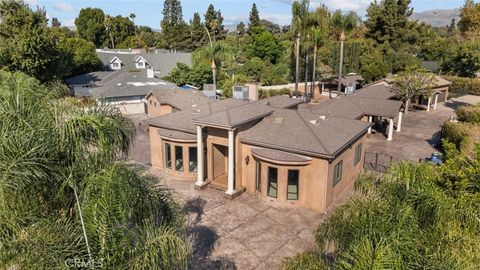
[(349, 173), (155, 108), (157, 152)]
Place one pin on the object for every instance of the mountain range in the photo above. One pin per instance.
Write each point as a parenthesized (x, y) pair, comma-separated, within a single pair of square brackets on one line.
[(437, 17)]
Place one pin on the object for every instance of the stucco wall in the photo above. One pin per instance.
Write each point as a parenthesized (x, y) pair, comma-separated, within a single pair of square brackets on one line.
[(155, 108)]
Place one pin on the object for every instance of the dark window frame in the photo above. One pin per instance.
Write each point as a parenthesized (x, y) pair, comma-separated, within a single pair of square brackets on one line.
[(258, 176), (190, 160), (177, 167), (297, 184), (337, 172), (270, 181), (358, 153), (168, 156)]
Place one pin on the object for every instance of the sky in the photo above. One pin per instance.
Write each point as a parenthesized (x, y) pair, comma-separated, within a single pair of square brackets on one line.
[(149, 12)]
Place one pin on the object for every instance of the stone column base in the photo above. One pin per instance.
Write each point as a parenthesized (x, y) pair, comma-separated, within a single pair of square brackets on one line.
[(203, 186)]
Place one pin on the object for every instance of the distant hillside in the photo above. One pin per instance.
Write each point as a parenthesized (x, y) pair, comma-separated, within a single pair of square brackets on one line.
[(437, 17)]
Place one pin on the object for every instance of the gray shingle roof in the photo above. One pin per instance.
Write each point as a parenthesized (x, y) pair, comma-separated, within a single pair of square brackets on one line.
[(278, 155), (181, 99), (178, 135), (350, 79), (127, 84), (304, 133), (162, 63), (97, 77)]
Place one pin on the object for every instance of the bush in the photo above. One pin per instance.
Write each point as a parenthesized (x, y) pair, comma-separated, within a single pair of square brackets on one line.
[(270, 93), (462, 85), (469, 114), (462, 135)]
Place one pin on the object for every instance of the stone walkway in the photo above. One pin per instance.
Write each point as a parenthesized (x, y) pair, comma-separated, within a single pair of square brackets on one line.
[(241, 233)]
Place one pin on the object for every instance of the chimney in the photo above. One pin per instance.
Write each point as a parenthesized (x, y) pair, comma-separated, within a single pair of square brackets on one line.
[(150, 73), (252, 91)]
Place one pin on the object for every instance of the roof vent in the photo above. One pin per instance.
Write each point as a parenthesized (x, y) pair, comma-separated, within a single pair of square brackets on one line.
[(278, 120), (194, 105), (314, 122), (323, 117), (196, 111), (119, 84), (268, 103)]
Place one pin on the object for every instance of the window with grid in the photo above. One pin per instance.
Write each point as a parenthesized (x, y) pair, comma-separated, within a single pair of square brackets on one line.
[(272, 182), (337, 173)]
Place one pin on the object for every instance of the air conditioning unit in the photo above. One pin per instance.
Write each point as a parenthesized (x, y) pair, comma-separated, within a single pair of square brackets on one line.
[(240, 92), (351, 87), (209, 91), (209, 87)]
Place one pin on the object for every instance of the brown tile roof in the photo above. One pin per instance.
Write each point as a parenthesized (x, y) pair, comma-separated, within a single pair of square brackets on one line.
[(176, 135), (180, 99), (279, 156), (351, 107), (304, 133), (183, 120), (235, 116), (375, 91), (281, 102)]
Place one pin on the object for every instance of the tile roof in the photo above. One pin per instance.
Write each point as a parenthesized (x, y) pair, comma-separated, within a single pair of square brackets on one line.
[(235, 116), (183, 120), (281, 102), (304, 133), (375, 91), (180, 98)]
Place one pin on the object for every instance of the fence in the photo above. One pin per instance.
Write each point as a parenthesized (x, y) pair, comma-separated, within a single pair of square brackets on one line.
[(378, 162)]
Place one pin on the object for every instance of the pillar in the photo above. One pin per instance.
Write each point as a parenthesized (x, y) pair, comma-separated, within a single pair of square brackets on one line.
[(399, 122), (200, 167), (231, 159), (390, 130), (436, 101), (370, 119), (429, 103)]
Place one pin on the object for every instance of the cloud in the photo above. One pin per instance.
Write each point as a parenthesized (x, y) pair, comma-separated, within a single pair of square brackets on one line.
[(68, 23), (32, 2), (63, 7), (359, 6)]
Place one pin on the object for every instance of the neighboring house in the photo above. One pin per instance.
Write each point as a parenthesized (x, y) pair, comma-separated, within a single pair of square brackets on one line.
[(167, 101), (439, 92), (82, 85), (127, 90), (271, 148), (161, 61)]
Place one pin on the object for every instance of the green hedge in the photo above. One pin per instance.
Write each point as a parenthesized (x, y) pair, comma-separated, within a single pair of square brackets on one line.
[(469, 114), (270, 93), (463, 85), (463, 135)]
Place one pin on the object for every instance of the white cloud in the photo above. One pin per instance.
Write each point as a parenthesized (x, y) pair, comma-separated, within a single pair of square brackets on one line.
[(32, 2), (359, 6), (63, 7), (68, 23)]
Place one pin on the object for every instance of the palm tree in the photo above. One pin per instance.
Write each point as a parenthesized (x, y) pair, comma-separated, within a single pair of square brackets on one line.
[(299, 14), (67, 193)]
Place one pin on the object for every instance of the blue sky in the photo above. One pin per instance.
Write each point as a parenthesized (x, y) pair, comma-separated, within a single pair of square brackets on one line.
[(149, 12)]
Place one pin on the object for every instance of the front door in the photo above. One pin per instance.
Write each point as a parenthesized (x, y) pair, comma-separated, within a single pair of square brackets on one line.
[(220, 165)]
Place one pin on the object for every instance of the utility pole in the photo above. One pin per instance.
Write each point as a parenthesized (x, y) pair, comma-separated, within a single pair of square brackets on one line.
[(305, 90), (340, 68), (213, 66), (297, 56), (314, 68)]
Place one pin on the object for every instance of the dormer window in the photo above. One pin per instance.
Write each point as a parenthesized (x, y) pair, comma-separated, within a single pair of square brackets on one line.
[(115, 63), (140, 62)]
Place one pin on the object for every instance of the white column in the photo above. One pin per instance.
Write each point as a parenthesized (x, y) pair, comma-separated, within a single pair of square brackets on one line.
[(435, 103), (370, 119), (390, 130), (200, 176), (399, 122), (231, 158), (429, 103)]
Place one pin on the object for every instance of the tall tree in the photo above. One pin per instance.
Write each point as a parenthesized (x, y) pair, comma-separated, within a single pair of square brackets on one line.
[(214, 23), (387, 20), (241, 29), (469, 23), (253, 18), (90, 25), (81, 54), (173, 26), (56, 22), (197, 32), (121, 28), (27, 43)]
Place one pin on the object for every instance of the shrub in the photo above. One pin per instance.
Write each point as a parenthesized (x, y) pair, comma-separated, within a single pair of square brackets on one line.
[(270, 93), (469, 114), (463, 85), (462, 135)]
